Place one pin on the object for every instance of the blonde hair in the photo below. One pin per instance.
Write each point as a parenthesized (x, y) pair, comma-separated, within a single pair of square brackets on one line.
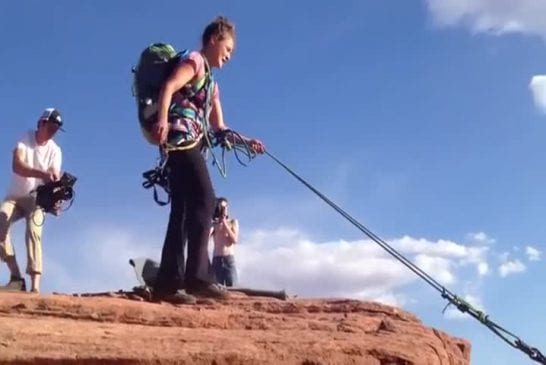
[(219, 28)]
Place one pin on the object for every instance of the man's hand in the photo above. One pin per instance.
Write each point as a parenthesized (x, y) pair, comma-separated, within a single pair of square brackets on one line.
[(57, 208), (49, 176), (55, 174)]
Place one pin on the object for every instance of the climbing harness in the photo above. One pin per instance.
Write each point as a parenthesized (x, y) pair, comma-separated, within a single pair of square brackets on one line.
[(227, 140), (462, 305)]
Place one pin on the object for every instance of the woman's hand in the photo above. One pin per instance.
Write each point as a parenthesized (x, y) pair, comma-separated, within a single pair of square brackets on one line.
[(257, 146), (182, 74), (160, 131)]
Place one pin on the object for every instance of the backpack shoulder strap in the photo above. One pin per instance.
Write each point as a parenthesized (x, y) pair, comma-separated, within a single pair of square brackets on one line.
[(205, 81)]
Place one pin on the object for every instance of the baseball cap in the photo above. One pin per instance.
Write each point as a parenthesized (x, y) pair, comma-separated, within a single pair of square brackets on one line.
[(52, 115)]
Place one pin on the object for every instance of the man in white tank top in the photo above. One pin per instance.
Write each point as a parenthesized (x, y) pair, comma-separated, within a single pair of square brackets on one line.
[(36, 160)]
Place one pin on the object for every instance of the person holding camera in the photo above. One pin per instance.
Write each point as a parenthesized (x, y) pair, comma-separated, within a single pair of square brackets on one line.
[(225, 233), (36, 160)]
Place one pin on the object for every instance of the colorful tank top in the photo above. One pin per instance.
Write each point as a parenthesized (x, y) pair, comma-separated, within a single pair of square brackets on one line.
[(190, 107)]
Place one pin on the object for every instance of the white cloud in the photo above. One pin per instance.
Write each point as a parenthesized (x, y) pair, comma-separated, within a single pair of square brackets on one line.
[(287, 260), (439, 265), (98, 262), (533, 254), (441, 247), (480, 238), (483, 268), (511, 267), (275, 259), (461, 254), (358, 269), (538, 90), (491, 16)]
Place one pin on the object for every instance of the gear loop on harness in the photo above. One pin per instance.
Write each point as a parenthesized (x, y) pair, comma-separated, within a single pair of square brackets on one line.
[(226, 139), (158, 176)]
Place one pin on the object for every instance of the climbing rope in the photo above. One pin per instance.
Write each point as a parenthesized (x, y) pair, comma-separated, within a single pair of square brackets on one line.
[(227, 139), (462, 305)]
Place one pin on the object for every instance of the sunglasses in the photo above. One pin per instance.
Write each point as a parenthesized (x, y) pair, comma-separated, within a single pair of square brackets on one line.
[(52, 126)]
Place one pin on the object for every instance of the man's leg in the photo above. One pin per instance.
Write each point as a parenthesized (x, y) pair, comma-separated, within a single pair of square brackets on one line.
[(9, 213), (13, 268), (35, 219), (35, 282)]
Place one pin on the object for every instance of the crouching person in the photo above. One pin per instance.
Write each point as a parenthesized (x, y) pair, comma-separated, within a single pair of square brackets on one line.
[(36, 160)]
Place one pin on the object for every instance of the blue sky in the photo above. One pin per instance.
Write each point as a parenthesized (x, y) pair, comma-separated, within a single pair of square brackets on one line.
[(424, 119)]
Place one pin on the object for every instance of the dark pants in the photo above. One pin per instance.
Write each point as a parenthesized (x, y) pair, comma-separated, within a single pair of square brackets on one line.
[(192, 207), (224, 268)]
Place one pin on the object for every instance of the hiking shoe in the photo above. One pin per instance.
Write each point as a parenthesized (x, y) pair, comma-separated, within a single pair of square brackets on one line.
[(178, 297), (144, 292), (15, 284), (208, 290)]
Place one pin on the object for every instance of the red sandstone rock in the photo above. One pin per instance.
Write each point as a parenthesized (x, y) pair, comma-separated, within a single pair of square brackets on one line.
[(55, 329)]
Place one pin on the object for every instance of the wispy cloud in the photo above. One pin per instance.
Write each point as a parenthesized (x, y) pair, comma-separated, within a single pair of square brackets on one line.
[(497, 17), (537, 85), (99, 262), (483, 268), (491, 16), (281, 258), (357, 269), (533, 254), (511, 261), (480, 238), (287, 258), (510, 267)]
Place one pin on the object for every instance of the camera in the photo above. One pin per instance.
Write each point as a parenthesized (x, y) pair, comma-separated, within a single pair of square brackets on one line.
[(51, 195)]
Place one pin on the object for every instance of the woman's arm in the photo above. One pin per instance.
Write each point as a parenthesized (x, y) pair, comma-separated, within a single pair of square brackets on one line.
[(217, 123), (232, 230), (183, 74), (216, 117)]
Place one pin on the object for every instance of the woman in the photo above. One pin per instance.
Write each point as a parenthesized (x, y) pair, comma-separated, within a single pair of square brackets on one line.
[(189, 104)]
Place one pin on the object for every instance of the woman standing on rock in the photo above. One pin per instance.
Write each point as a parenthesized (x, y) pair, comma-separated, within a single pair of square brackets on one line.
[(181, 125)]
